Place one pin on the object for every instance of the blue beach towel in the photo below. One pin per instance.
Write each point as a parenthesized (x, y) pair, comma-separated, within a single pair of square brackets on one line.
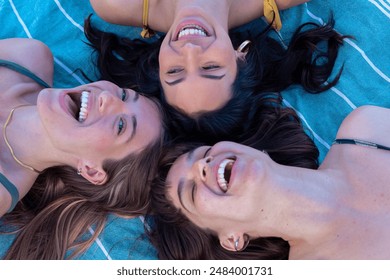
[(365, 78)]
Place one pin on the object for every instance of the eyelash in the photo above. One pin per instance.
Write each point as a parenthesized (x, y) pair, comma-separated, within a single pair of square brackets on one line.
[(207, 151), (211, 67), (174, 71), (178, 70), (193, 191)]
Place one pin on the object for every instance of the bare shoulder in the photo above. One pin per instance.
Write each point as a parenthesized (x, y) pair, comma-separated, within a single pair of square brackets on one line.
[(368, 123), (29, 53), (285, 4), (243, 11), (126, 12), (129, 12)]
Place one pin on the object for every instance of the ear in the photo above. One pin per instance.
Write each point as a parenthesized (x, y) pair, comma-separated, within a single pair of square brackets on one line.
[(94, 173), (234, 242)]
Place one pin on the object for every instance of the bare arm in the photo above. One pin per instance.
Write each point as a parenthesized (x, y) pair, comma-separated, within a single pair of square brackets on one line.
[(129, 12), (161, 12), (244, 11)]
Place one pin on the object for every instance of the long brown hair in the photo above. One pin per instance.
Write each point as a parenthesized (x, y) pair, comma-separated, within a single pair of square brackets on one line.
[(52, 220), (277, 131)]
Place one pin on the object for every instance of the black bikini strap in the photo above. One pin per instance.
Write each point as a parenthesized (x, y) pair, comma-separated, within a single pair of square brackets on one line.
[(361, 143), (24, 71), (13, 191)]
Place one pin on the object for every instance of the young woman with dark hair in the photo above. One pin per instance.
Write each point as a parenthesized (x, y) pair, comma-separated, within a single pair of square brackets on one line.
[(197, 61), (274, 129), (69, 157), (268, 66), (234, 201)]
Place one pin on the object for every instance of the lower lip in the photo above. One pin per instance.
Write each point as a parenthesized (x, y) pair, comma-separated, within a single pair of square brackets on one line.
[(232, 174)]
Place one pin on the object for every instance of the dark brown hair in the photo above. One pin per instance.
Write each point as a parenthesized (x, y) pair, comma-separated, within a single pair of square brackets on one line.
[(276, 130), (52, 220)]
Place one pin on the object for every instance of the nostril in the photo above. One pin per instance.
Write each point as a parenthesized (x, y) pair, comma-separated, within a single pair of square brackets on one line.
[(204, 172), (208, 159)]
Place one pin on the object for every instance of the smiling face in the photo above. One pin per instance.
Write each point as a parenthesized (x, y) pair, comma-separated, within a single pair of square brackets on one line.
[(99, 121), (217, 188), (198, 64)]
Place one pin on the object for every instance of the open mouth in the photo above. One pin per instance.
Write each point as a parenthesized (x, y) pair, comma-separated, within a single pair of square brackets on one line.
[(192, 30), (224, 173), (78, 105)]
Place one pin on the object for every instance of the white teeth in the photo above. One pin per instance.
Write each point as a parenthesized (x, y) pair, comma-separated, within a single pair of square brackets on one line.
[(84, 106), (192, 30), (221, 174)]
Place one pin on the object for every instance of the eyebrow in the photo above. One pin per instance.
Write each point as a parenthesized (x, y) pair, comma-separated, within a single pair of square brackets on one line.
[(136, 96), (212, 77), (133, 120), (134, 125)]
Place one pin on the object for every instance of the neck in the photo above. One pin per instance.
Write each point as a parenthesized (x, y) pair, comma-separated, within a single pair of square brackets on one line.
[(299, 203), (25, 139)]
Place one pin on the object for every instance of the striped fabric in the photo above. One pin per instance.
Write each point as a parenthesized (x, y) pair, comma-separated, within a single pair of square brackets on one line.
[(365, 79)]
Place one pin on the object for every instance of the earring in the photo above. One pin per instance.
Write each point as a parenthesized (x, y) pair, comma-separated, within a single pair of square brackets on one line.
[(246, 242), (243, 48), (79, 171)]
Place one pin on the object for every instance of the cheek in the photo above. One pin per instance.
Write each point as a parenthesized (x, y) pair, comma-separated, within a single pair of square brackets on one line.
[(164, 57), (94, 139)]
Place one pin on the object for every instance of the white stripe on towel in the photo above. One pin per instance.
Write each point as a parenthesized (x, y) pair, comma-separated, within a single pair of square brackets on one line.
[(343, 96), (67, 69), (20, 19), (385, 5), (316, 136), (56, 60), (381, 8), (68, 16), (142, 218), (100, 244), (376, 69)]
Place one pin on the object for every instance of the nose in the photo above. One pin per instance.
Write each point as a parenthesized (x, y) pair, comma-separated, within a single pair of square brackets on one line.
[(191, 51), (106, 101), (203, 168)]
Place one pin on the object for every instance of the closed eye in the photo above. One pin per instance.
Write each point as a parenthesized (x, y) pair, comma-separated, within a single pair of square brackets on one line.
[(207, 151), (193, 189), (174, 71), (211, 67)]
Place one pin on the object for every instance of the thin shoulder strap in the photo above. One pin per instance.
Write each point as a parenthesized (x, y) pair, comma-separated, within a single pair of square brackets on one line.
[(361, 143), (24, 71), (146, 31), (13, 191)]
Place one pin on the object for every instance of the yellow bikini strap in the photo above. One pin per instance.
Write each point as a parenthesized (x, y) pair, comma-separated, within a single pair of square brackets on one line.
[(271, 14), (146, 31)]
